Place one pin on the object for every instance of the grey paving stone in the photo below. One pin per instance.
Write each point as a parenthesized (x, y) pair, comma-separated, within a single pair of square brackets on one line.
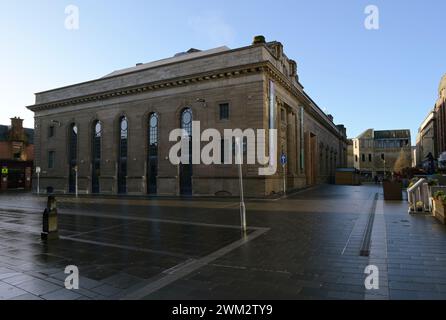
[(62, 294), (38, 287)]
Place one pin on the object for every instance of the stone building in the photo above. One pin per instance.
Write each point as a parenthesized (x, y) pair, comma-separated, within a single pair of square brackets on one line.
[(379, 152), (112, 133), (16, 155), (426, 140), (440, 119), (431, 138)]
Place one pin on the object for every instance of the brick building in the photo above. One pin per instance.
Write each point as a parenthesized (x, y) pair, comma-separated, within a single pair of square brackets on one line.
[(16, 155), (112, 134)]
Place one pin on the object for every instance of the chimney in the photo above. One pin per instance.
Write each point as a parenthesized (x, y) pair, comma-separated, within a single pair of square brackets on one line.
[(16, 132), (330, 117), (16, 124), (259, 40)]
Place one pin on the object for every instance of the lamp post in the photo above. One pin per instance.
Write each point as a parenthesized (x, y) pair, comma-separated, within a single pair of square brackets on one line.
[(240, 173), (76, 186), (38, 169)]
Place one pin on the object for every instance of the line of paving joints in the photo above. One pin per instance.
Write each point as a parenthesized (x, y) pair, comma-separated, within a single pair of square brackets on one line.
[(378, 253), (185, 268), (367, 238), (199, 224)]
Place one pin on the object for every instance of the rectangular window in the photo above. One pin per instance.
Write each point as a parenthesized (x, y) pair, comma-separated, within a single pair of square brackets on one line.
[(363, 157), (370, 158), (51, 132), (224, 111), (51, 158)]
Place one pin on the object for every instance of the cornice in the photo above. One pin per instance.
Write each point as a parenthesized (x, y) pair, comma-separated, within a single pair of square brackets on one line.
[(153, 86), (264, 66)]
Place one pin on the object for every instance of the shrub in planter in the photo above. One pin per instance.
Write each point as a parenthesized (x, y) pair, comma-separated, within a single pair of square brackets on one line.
[(419, 206), (393, 190)]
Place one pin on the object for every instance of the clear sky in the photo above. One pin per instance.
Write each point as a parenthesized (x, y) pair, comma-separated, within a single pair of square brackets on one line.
[(383, 79)]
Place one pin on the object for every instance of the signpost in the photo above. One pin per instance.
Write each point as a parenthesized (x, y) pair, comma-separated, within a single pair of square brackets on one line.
[(283, 161), (38, 169), (240, 172)]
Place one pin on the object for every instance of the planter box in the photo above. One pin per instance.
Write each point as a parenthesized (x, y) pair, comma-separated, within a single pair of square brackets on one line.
[(438, 211), (393, 190)]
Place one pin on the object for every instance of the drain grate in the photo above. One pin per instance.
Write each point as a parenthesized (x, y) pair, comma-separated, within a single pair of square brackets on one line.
[(367, 238)]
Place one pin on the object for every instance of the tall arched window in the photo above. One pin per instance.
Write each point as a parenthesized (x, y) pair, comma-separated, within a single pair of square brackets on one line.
[(152, 153), (72, 157), (122, 156), (186, 119), (96, 156)]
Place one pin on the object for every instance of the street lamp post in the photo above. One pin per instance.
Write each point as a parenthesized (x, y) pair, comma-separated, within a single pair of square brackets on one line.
[(242, 197), (38, 180), (76, 186)]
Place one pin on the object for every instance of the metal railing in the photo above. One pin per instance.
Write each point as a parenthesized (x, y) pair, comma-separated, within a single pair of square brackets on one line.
[(419, 192)]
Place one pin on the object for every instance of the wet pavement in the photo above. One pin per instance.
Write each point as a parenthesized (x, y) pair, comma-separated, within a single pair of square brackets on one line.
[(304, 247)]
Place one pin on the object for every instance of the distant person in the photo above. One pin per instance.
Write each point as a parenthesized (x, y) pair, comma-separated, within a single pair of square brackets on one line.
[(376, 179)]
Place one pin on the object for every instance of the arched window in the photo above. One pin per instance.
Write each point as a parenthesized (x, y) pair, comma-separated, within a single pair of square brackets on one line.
[(96, 156), (152, 153), (186, 121), (186, 169), (122, 157), (73, 141)]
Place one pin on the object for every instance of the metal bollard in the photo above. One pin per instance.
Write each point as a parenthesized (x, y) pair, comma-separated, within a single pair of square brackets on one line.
[(50, 230)]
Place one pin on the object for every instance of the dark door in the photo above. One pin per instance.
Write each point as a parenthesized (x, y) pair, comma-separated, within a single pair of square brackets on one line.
[(95, 178), (186, 179), (152, 174), (72, 179), (16, 179)]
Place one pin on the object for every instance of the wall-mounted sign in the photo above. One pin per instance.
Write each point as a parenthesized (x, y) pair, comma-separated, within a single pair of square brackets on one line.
[(5, 170)]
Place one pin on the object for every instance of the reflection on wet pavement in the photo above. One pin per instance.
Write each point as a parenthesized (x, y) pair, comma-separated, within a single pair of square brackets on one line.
[(303, 247)]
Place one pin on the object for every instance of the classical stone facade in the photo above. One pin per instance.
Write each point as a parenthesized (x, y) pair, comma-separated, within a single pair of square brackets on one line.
[(440, 118), (376, 152), (431, 137), (112, 134), (426, 141)]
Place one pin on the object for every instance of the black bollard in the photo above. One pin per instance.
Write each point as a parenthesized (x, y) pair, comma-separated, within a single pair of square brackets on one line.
[(50, 227)]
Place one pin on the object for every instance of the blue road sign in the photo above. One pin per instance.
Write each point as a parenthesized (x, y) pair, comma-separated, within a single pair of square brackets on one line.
[(283, 159)]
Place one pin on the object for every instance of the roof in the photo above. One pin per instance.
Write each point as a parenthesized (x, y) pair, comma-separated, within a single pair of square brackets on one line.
[(392, 134), (182, 56), (5, 129)]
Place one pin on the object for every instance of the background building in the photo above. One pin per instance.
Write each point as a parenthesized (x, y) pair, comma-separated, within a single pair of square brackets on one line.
[(440, 117), (113, 133), (16, 155), (431, 138), (426, 140), (376, 152)]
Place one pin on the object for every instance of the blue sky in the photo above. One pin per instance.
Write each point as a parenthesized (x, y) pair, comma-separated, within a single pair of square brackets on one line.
[(383, 79)]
